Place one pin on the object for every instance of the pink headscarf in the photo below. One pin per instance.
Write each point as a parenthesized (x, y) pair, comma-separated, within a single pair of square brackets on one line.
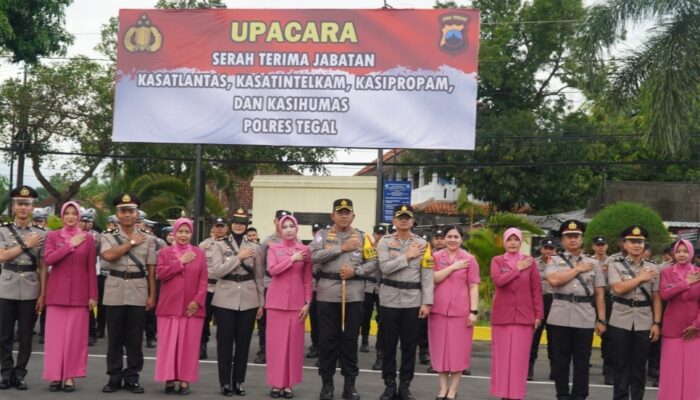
[(512, 258), (691, 252), (67, 232), (280, 222), (181, 249)]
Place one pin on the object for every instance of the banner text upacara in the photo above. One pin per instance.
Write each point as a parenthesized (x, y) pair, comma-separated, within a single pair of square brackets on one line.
[(293, 32)]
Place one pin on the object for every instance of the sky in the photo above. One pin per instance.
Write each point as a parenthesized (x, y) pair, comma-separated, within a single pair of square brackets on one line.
[(84, 19)]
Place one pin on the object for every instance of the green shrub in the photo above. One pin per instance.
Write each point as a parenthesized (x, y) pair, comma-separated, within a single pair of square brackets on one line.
[(613, 219)]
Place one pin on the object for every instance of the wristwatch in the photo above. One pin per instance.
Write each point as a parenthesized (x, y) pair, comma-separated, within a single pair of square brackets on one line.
[(23, 246), (132, 242), (603, 321)]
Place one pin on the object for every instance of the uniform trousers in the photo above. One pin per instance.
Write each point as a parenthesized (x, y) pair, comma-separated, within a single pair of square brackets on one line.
[(654, 362), (24, 314), (313, 320), (125, 325), (206, 330), (571, 344), (333, 342), (423, 335), (262, 322), (151, 320), (548, 298), (101, 318), (606, 350), (399, 324), (371, 301), (630, 357), (234, 331)]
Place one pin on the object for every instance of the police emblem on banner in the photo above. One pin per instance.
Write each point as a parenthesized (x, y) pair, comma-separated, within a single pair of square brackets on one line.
[(453, 35), (143, 37)]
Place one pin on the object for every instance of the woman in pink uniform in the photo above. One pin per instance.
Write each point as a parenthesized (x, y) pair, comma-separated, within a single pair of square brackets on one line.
[(517, 310), (680, 347), (287, 304), (453, 315), (71, 294), (182, 270)]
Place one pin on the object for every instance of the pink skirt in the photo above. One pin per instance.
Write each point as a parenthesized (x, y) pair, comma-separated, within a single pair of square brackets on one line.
[(450, 343), (678, 375), (177, 355), (510, 360), (284, 348), (66, 346)]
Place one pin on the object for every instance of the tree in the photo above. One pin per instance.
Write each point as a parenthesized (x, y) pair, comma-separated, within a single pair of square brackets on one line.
[(612, 220), (62, 107), (32, 29), (659, 81)]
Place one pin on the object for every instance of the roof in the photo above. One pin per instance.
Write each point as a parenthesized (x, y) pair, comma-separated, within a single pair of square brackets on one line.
[(440, 207), (373, 166)]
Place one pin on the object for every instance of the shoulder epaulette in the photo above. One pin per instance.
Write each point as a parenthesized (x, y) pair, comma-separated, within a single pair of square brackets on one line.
[(38, 227)]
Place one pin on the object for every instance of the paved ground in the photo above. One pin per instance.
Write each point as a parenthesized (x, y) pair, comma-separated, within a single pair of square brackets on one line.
[(369, 383)]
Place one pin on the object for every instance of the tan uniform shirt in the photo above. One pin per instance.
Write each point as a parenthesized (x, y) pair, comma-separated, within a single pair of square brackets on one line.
[(15, 285), (624, 316), (569, 314), (541, 266), (127, 292), (395, 266), (234, 295), (209, 247), (264, 245), (326, 252)]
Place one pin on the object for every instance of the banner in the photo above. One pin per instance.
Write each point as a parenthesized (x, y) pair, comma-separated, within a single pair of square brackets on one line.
[(319, 78)]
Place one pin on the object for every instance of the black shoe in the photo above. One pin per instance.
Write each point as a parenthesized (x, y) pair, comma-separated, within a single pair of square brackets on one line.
[(349, 391), (42, 340), (389, 390), (259, 358), (423, 357), (530, 373), (430, 370), (55, 386), (20, 384), (5, 384), (364, 348), (655, 383), (467, 372), (238, 389), (69, 388), (226, 390), (100, 334), (170, 389), (313, 353), (111, 388), (327, 388), (133, 387), (288, 394), (92, 341), (404, 392), (653, 373), (150, 343), (275, 393), (377, 366), (203, 351), (184, 390)]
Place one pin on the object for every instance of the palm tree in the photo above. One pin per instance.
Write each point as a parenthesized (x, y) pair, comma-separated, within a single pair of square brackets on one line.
[(659, 81), (168, 196)]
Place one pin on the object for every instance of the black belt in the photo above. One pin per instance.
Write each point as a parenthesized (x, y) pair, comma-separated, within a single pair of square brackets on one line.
[(401, 285), (19, 268), (632, 302), (573, 299), (547, 295), (238, 278), (370, 279), (126, 275), (335, 276), (212, 281)]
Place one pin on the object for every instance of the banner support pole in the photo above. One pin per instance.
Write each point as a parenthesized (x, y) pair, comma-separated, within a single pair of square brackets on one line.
[(197, 237), (380, 186)]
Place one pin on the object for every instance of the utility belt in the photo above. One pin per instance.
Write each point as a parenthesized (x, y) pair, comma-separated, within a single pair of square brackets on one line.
[(632, 302), (370, 279), (212, 281), (573, 299), (401, 285), (126, 275), (19, 268), (336, 277), (548, 295), (238, 278)]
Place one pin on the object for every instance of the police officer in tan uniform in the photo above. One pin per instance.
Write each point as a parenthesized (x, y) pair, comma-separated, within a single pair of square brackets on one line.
[(405, 297), (577, 281), (636, 313), (340, 255), (238, 300), (219, 230), (130, 290), (546, 250), (22, 286)]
